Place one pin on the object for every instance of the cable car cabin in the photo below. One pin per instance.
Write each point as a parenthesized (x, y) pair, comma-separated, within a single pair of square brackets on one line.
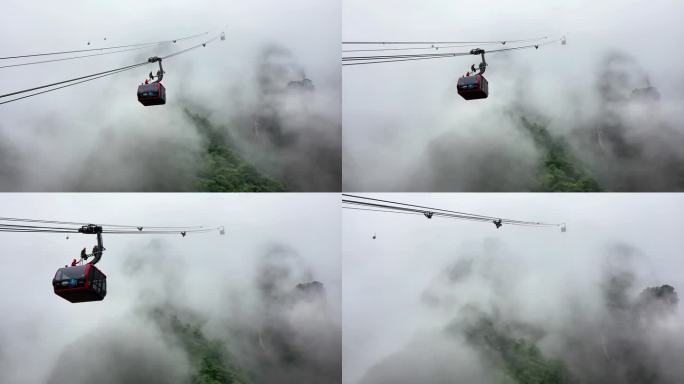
[(473, 87), (152, 94), (80, 283)]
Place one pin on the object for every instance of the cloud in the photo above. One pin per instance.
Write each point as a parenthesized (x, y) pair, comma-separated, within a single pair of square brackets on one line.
[(487, 326), (186, 308), (599, 98), (96, 136)]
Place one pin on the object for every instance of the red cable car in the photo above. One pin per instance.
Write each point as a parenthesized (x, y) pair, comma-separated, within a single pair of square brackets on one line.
[(473, 87), (80, 283), (152, 94)]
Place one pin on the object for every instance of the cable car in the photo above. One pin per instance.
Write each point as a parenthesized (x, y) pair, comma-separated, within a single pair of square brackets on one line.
[(80, 283), (473, 87), (152, 94)]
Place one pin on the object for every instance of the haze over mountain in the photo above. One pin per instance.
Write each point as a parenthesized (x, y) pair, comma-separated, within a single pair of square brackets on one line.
[(231, 123), (258, 305), (600, 113), (446, 301)]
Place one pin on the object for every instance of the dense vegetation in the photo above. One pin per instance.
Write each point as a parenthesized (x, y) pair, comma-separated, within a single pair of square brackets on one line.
[(210, 359), (560, 170), (224, 170), (520, 360)]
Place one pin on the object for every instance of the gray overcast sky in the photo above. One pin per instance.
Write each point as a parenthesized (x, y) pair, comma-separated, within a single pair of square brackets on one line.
[(385, 278), (211, 269), (403, 108), (39, 26)]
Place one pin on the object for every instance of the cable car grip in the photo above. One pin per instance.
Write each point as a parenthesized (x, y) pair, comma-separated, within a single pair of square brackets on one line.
[(483, 65), (160, 72), (92, 229)]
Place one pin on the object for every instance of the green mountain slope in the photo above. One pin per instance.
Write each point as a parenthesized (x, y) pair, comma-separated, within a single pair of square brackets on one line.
[(520, 360), (560, 170), (210, 359), (223, 170)]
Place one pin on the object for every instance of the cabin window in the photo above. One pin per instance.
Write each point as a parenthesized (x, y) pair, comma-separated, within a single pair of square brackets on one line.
[(71, 273)]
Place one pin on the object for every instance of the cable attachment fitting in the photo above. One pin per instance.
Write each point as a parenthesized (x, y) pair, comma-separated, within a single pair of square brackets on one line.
[(428, 214), (483, 65), (160, 72), (90, 229)]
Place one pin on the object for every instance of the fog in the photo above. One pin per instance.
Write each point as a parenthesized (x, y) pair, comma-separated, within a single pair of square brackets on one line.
[(406, 128), (447, 301), (262, 301), (97, 137)]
